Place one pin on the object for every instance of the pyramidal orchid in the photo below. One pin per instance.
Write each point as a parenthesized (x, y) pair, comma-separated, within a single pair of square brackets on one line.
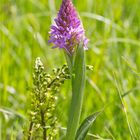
[(68, 34)]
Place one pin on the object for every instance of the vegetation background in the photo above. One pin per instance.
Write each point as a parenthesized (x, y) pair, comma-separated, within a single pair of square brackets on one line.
[(113, 28)]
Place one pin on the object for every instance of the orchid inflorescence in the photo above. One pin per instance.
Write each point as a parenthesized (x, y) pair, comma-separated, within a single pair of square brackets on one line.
[(67, 32)]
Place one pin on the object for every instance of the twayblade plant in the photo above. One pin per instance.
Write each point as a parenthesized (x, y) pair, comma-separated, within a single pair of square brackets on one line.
[(68, 34), (43, 119)]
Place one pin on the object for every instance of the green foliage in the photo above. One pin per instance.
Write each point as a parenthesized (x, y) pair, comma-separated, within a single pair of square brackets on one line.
[(78, 84), (86, 124)]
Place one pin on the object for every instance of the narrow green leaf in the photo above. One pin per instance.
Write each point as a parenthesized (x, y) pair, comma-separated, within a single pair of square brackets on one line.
[(78, 83), (86, 124)]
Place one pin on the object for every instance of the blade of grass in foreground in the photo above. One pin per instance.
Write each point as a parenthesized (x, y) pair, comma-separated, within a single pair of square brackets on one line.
[(132, 134)]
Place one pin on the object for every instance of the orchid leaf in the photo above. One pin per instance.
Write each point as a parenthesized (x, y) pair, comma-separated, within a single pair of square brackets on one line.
[(86, 124), (78, 83)]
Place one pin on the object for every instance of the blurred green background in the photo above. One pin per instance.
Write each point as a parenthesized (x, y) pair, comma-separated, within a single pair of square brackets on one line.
[(113, 28)]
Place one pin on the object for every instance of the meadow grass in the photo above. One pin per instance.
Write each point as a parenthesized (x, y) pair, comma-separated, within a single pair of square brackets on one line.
[(113, 28)]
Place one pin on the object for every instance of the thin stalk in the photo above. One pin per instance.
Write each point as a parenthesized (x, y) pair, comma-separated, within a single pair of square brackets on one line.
[(30, 129), (51, 83), (78, 83), (43, 126)]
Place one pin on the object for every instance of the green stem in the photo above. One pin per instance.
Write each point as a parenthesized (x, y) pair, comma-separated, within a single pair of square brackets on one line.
[(43, 126), (30, 131), (78, 83)]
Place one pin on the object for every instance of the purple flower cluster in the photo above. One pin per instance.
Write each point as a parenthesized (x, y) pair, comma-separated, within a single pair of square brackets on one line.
[(68, 31)]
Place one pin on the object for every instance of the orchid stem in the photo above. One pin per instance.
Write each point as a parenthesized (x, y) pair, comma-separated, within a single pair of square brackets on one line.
[(78, 83)]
